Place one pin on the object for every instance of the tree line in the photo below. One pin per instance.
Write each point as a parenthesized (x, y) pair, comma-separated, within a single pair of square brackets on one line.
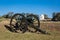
[(55, 16)]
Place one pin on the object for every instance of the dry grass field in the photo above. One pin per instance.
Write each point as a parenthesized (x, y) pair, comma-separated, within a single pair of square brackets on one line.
[(52, 27)]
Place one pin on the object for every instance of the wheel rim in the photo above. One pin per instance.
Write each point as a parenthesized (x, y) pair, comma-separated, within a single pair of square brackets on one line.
[(16, 21), (35, 23)]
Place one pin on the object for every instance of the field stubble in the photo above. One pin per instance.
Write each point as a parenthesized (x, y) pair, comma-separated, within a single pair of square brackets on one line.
[(52, 28)]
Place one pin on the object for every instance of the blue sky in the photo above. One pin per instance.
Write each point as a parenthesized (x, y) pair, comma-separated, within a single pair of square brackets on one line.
[(30, 6)]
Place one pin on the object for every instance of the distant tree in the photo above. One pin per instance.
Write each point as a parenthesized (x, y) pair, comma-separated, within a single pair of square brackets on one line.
[(45, 16), (56, 17), (8, 15), (53, 14)]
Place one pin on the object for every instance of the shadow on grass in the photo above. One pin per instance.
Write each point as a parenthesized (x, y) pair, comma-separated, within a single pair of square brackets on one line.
[(8, 28)]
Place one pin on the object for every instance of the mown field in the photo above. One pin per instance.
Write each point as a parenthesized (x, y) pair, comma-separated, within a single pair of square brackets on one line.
[(52, 27)]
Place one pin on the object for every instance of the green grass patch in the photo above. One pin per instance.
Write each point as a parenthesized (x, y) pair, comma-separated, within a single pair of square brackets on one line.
[(1, 19)]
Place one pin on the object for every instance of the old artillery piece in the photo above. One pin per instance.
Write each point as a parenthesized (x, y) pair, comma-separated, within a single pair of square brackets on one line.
[(25, 22)]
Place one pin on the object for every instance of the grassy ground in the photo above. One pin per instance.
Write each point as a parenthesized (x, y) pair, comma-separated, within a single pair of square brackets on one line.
[(7, 35), (29, 36), (1, 19)]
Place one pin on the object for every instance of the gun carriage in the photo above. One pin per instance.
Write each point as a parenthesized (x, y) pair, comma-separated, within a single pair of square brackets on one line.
[(25, 22)]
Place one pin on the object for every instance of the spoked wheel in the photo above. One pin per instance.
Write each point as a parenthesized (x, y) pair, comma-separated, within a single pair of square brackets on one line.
[(33, 22), (17, 23)]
